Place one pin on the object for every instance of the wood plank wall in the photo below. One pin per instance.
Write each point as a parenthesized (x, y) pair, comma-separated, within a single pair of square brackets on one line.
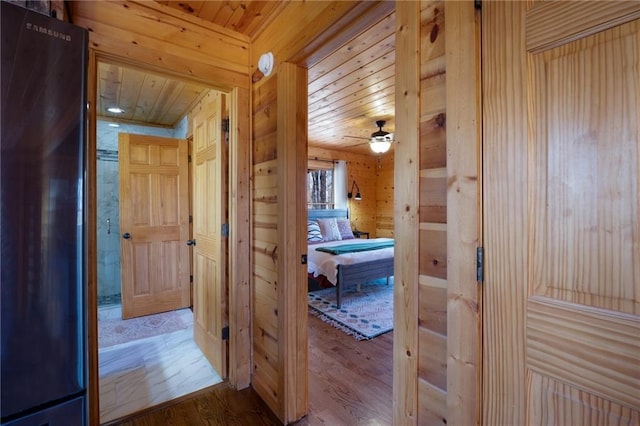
[(265, 371), (287, 42), (405, 208), (436, 338), (292, 172), (384, 194), (362, 213), (437, 306), (432, 264)]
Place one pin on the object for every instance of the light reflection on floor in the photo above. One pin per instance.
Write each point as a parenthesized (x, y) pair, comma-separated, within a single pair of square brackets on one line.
[(143, 373)]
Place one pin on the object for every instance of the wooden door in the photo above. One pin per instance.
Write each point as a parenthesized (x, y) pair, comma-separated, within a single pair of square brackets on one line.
[(154, 223), (562, 213), (209, 256)]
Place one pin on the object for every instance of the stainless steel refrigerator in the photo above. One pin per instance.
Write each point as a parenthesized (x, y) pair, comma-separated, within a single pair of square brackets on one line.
[(43, 376)]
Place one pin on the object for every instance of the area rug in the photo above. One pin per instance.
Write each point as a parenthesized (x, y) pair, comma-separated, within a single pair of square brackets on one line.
[(363, 315), (112, 330)]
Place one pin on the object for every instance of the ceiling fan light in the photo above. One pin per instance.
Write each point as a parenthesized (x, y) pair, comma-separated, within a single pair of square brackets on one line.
[(380, 144), (380, 140)]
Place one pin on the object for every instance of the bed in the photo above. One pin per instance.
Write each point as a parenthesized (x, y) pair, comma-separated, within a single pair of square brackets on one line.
[(348, 269)]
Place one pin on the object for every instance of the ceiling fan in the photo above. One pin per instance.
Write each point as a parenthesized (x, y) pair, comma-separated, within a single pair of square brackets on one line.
[(380, 141)]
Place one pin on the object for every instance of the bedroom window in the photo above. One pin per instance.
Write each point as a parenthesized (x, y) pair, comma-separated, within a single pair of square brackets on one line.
[(320, 189)]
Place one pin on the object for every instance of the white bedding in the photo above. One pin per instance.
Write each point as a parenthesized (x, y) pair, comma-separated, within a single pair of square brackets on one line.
[(321, 263)]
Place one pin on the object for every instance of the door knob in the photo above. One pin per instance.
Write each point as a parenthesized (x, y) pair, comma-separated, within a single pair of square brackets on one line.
[(191, 242), (126, 235)]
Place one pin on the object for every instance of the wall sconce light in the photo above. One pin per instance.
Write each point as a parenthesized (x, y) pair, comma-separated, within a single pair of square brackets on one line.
[(358, 197)]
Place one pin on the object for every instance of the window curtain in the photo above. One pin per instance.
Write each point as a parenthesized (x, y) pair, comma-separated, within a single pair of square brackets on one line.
[(340, 184)]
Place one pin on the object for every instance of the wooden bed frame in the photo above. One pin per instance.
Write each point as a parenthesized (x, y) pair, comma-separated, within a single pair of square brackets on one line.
[(354, 274)]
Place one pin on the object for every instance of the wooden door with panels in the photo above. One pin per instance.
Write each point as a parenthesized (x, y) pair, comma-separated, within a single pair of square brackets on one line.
[(562, 143), (209, 242), (154, 221)]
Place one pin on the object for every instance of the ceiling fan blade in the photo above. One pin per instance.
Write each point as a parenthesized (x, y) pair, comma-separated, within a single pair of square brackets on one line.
[(355, 145), (355, 137)]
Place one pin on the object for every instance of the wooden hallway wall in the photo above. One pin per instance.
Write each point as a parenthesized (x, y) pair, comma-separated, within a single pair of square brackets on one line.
[(437, 337)]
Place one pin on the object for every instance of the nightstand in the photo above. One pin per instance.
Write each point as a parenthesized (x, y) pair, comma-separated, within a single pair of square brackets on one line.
[(360, 234)]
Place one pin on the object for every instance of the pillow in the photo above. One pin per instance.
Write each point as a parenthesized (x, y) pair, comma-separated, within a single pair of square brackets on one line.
[(329, 229), (344, 226), (313, 232)]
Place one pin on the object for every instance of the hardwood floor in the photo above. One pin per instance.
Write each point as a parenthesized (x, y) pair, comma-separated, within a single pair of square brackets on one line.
[(218, 405), (350, 383), (145, 372)]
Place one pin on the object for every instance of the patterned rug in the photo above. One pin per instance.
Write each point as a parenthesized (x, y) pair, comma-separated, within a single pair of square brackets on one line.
[(363, 315), (113, 330)]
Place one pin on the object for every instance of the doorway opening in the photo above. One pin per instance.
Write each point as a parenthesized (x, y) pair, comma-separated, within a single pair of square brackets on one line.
[(352, 88), (153, 358)]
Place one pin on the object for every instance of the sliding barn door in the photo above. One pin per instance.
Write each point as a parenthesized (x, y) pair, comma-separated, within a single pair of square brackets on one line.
[(562, 317)]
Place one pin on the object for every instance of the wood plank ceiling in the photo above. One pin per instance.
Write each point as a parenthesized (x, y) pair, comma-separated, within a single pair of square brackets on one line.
[(145, 98), (246, 16), (349, 90), (353, 88)]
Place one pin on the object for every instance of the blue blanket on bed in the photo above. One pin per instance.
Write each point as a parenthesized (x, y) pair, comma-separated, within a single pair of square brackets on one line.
[(356, 247)]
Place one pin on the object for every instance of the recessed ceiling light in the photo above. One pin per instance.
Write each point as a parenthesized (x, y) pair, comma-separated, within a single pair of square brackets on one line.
[(114, 125), (115, 110)]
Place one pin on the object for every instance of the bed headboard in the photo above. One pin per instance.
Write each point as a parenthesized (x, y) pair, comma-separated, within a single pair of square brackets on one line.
[(326, 213)]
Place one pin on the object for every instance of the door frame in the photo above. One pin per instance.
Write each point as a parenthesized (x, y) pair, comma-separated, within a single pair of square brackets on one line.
[(464, 208), (239, 296), (293, 348), (464, 213), (412, 395)]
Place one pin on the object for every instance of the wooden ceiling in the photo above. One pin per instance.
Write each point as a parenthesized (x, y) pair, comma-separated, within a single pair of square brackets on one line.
[(353, 88), (246, 16), (349, 90), (146, 98)]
